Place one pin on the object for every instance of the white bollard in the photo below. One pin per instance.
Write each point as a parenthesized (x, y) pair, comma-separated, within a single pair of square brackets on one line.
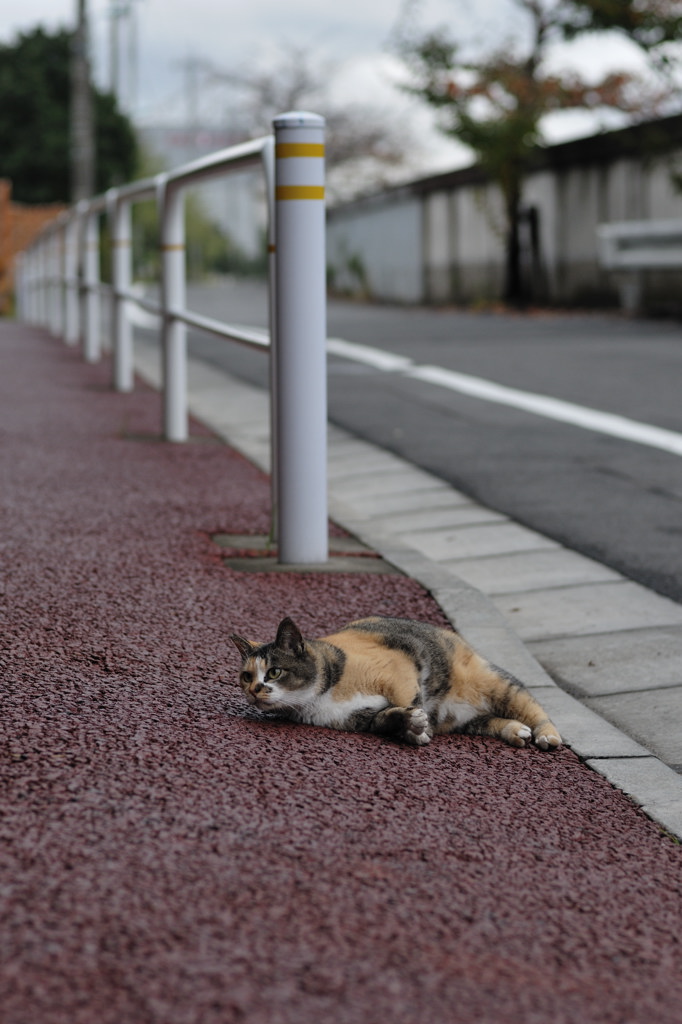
[(268, 165), (173, 332), (121, 257), (301, 385)]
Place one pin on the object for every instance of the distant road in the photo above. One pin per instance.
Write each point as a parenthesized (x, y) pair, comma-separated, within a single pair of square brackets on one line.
[(613, 498)]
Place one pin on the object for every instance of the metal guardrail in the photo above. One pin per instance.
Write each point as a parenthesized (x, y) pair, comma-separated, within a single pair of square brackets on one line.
[(627, 248), (59, 287)]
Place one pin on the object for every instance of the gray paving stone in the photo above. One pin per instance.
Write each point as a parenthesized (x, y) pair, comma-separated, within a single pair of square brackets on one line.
[(148, 364), (580, 610), (531, 570), (201, 376), (465, 514), (345, 446), (645, 779), (361, 464), (477, 541), (436, 495), (584, 730), (238, 414), (614, 662), (391, 482), (652, 717), (667, 815)]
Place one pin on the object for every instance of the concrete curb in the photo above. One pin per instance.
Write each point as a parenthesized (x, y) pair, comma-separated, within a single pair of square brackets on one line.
[(239, 414)]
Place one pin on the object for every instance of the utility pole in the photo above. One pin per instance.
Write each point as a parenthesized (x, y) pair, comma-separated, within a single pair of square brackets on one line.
[(192, 67), (82, 119), (123, 80)]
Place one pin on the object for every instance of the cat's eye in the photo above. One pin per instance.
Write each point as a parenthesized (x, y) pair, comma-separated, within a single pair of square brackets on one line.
[(273, 673)]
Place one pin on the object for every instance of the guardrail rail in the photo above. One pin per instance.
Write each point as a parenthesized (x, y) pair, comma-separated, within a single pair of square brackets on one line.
[(59, 287)]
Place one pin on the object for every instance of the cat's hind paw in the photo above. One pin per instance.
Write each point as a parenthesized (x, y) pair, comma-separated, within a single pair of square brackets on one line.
[(417, 729), (516, 733), (546, 737)]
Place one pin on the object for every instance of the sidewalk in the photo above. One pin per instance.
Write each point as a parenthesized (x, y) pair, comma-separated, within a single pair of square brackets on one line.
[(167, 856)]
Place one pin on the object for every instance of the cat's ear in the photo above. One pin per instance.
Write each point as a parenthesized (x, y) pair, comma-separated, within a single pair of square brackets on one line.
[(289, 638), (245, 647)]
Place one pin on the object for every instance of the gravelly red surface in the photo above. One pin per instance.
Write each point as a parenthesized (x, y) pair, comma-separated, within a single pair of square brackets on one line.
[(166, 857)]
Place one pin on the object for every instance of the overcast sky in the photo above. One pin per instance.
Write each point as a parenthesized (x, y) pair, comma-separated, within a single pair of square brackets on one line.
[(351, 35)]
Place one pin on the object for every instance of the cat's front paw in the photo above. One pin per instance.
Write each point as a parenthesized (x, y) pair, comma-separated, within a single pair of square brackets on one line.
[(417, 728)]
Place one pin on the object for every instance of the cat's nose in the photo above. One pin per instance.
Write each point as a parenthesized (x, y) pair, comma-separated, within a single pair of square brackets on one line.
[(261, 688)]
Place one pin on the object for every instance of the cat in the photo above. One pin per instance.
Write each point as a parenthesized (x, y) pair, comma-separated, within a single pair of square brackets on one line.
[(396, 677)]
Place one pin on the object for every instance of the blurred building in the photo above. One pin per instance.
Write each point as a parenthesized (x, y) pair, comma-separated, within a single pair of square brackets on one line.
[(441, 238)]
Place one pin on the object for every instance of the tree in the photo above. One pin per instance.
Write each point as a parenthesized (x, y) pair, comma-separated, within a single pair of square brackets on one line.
[(652, 24), (364, 146), (495, 104), (35, 89)]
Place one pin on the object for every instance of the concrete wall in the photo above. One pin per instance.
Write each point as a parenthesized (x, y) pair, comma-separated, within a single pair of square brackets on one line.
[(374, 249), (478, 244), (442, 239)]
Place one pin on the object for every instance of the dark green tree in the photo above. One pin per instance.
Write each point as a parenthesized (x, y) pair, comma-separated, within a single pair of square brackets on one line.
[(35, 88), (495, 102)]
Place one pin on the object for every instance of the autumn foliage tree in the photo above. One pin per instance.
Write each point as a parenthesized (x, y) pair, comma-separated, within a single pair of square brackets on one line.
[(495, 104)]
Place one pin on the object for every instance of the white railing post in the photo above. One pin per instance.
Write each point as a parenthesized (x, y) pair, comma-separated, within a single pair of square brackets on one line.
[(28, 286), (20, 285), (121, 258), (91, 281), (121, 274), (301, 385), (171, 207), (42, 290), (36, 311), (54, 262), (71, 296)]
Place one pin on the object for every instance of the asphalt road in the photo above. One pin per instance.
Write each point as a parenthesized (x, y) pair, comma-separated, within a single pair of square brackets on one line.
[(617, 501)]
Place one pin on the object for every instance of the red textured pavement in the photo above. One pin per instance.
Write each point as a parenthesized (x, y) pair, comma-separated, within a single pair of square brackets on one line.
[(168, 857)]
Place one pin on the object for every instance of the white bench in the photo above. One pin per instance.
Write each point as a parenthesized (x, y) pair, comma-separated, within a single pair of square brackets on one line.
[(630, 247)]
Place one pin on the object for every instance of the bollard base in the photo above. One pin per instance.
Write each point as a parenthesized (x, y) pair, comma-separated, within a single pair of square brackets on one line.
[(255, 553)]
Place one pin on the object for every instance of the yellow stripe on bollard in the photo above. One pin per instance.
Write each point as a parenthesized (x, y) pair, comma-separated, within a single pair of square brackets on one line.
[(299, 192), (288, 149)]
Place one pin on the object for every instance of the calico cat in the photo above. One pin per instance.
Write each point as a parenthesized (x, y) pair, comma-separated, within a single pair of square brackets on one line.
[(395, 677)]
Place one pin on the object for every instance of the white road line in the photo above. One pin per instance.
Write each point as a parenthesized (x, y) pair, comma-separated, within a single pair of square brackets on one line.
[(488, 391), (375, 357)]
